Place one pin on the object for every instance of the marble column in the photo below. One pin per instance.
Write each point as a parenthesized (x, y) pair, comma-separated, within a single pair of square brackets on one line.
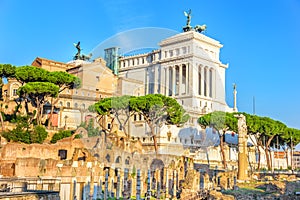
[(207, 82), (155, 79), (202, 80), (187, 87), (180, 80), (173, 80), (167, 74)]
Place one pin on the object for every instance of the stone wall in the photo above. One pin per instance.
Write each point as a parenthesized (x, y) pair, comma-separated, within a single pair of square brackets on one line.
[(30, 196)]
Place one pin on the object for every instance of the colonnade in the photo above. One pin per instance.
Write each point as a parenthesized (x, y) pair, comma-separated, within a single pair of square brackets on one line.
[(117, 183), (206, 81), (177, 80)]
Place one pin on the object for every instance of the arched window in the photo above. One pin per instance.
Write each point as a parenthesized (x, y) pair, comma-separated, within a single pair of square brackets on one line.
[(127, 161), (76, 105), (61, 104), (68, 104), (118, 159), (107, 157), (83, 106)]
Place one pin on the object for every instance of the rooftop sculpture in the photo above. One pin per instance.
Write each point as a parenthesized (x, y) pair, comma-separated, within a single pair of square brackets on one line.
[(78, 55), (188, 27)]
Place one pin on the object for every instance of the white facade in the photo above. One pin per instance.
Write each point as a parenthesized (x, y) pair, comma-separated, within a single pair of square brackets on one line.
[(186, 67)]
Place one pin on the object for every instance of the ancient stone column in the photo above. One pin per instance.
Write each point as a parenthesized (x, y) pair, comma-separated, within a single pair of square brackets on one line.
[(158, 183), (118, 185), (106, 185), (201, 179), (175, 185), (138, 184), (242, 143), (167, 183), (126, 188), (99, 190), (74, 188), (111, 182), (111, 188), (148, 185)]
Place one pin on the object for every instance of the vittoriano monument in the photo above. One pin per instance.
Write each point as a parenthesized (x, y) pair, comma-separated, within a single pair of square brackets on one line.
[(188, 27), (78, 55)]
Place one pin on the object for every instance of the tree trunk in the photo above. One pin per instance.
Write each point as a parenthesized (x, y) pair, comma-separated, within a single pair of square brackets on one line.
[(51, 113), (259, 157), (286, 157), (268, 157), (2, 122), (154, 139), (38, 110), (222, 150)]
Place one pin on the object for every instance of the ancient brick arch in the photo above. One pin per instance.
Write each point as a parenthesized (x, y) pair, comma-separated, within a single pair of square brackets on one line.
[(157, 164), (118, 159)]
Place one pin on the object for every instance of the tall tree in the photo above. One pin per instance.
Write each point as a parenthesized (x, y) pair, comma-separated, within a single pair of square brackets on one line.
[(158, 110), (28, 74), (254, 127), (220, 122), (64, 81), (6, 71), (270, 128), (290, 137), (37, 93), (114, 108)]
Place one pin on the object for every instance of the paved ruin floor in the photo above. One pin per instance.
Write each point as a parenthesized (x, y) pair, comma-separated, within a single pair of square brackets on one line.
[(266, 190)]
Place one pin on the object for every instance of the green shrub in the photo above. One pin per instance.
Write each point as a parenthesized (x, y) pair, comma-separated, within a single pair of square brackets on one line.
[(60, 135), (39, 134), (78, 136), (17, 135), (20, 133), (90, 128)]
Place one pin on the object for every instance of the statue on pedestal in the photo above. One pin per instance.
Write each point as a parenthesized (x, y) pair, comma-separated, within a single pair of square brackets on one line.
[(78, 55), (188, 27)]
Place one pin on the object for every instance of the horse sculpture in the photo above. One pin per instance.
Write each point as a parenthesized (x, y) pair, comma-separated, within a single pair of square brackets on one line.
[(200, 28)]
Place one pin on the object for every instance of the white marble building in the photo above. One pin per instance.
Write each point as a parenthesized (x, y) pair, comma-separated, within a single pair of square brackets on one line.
[(187, 67)]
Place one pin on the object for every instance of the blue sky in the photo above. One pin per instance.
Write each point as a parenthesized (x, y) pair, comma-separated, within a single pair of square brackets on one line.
[(261, 39)]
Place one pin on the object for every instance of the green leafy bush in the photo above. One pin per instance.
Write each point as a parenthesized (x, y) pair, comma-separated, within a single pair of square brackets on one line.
[(90, 128), (78, 136), (60, 135), (20, 133), (39, 134)]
